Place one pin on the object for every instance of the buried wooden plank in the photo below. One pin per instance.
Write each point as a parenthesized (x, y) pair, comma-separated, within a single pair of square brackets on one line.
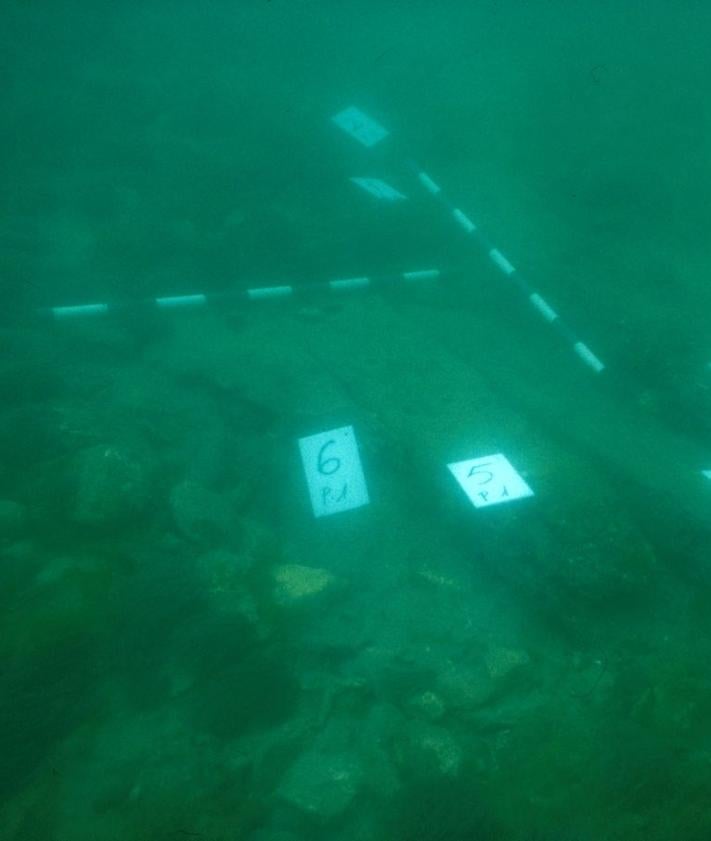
[(574, 538), (597, 417)]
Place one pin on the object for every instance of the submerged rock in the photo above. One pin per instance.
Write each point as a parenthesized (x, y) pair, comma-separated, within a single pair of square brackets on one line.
[(465, 687), (429, 751), (113, 485), (296, 583), (200, 514), (502, 662), (502, 671), (223, 575), (428, 704), (322, 784)]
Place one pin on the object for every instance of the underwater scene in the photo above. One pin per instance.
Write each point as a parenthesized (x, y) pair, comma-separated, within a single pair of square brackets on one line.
[(355, 434)]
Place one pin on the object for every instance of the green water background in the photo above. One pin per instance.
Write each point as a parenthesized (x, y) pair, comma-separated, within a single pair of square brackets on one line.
[(159, 149)]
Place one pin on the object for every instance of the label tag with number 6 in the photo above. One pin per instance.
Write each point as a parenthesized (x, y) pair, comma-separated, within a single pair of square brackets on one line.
[(333, 471), (489, 480)]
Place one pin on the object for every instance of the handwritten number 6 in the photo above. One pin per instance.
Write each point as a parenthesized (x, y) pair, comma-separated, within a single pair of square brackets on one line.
[(327, 466)]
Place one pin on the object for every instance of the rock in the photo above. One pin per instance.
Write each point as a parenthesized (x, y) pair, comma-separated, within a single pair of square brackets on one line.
[(428, 704), (223, 575), (429, 751), (200, 514), (112, 486), (295, 583), (465, 687), (468, 686), (207, 349), (502, 662), (13, 518), (258, 545), (322, 784)]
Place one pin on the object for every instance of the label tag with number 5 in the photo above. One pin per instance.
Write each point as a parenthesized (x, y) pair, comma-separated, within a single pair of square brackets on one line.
[(333, 471), (489, 480)]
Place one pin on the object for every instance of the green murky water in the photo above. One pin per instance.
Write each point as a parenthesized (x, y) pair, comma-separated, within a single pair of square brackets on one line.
[(186, 651)]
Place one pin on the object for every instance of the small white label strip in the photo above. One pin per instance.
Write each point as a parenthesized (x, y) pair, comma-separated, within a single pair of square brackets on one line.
[(380, 189), (588, 357), (334, 473), (182, 301), (80, 310), (498, 259), (425, 274), (489, 480), (464, 221), (543, 307), (269, 292), (428, 183), (350, 283), (360, 126)]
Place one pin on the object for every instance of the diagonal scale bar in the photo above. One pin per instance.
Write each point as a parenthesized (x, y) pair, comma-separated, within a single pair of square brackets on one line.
[(369, 132)]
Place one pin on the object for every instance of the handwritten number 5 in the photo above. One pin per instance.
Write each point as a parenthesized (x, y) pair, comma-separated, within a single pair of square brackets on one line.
[(478, 470)]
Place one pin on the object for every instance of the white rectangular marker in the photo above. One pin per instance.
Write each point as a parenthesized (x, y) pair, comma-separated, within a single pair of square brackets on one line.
[(588, 357), (425, 274), (80, 310), (543, 307), (269, 292), (360, 126), (380, 189), (489, 480), (428, 183), (350, 283), (464, 221), (333, 471), (498, 258), (182, 301)]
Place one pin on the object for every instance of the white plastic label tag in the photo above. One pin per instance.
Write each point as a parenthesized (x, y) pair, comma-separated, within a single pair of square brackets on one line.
[(489, 480), (333, 471), (379, 189), (360, 126)]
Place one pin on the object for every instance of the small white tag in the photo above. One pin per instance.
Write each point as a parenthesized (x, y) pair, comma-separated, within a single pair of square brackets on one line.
[(489, 480), (333, 471), (360, 126), (182, 301), (379, 189)]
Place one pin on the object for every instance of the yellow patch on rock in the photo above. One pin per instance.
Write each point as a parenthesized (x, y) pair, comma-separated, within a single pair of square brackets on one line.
[(295, 582)]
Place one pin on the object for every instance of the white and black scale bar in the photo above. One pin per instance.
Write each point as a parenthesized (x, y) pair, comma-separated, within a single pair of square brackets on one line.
[(243, 296), (368, 132), (502, 263)]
